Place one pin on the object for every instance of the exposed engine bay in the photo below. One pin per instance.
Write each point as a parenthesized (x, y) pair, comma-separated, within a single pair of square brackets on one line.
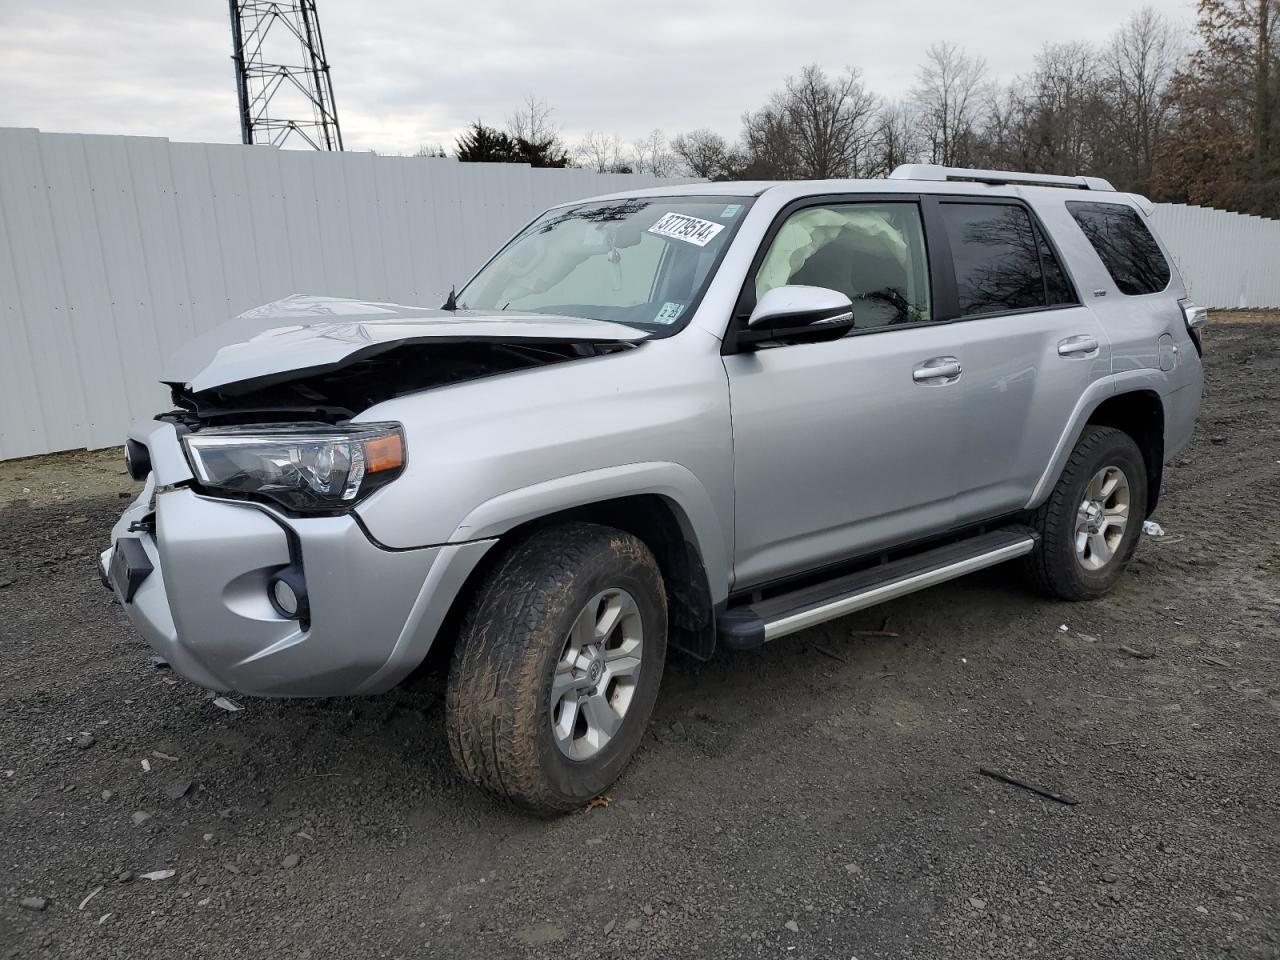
[(338, 393)]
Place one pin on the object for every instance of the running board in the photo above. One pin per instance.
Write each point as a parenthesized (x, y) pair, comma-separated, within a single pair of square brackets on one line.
[(752, 625)]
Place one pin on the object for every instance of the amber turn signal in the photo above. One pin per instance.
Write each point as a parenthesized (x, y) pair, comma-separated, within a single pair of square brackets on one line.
[(384, 453)]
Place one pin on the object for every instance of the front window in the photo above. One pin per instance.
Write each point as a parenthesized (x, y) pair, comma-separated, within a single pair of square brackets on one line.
[(872, 252), (642, 261)]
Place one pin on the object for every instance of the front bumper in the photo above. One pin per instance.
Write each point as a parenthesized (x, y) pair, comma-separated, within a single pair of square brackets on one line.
[(204, 605)]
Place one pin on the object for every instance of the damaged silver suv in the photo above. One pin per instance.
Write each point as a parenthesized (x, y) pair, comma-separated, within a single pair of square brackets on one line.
[(683, 417)]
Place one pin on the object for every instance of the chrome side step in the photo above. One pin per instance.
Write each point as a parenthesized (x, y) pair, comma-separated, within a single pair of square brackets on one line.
[(754, 624)]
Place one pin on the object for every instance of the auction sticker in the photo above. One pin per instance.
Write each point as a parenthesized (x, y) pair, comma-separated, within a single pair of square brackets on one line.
[(678, 226)]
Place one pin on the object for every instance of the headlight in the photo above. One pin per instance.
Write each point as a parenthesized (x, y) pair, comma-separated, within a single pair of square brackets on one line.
[(302, 466)]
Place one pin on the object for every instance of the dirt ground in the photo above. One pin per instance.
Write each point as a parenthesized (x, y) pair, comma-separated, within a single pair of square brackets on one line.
[(818, 799)]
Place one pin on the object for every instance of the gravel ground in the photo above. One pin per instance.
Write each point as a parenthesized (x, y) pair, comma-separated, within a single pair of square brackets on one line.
[(819, 798)]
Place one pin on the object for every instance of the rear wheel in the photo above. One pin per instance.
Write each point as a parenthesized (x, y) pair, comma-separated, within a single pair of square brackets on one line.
[(557, 666), (1089, 526)]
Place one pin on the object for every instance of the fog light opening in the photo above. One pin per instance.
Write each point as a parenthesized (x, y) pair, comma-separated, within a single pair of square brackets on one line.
[(137, 459), (288, 594)]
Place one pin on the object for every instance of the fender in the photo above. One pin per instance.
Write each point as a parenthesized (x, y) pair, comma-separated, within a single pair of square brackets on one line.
[(669, 480), (1129, 381)]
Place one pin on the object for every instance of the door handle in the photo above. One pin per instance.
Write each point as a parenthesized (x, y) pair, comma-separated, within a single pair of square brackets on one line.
[(1081, 346), (937, 371)]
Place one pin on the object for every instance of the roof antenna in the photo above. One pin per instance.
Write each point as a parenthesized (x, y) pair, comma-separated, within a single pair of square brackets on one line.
[(452, 303)]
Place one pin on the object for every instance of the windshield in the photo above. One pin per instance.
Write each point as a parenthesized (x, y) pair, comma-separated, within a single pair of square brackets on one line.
[(642, 261)]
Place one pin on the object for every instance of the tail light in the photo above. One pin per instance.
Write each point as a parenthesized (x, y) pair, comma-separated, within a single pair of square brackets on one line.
[(1195, 317)]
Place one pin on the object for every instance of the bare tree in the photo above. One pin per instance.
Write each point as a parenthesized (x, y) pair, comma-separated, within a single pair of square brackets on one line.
[(1137, 72), (832, 122), (704, 153), (532, 122), (897, 138), (1063, 109), (948, 93), (650, 155), (601, 152), (768, 146)]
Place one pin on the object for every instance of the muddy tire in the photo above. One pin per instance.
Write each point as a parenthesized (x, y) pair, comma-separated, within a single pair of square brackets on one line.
[(557, 667), (1089, 526)]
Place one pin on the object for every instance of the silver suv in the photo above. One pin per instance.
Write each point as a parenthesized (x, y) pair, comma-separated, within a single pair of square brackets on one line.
[(686, 417)]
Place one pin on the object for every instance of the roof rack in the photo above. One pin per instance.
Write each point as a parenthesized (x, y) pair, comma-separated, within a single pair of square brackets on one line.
[(932, 171)]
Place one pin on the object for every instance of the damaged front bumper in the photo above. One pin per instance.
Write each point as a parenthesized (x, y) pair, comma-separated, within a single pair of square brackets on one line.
[(194, 575)]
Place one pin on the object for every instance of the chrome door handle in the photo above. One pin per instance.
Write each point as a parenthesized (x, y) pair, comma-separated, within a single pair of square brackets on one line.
[(938, 370), (1081, 346)]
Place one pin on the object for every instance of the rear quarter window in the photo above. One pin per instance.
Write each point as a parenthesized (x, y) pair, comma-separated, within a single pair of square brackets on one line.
[(1124, 244)]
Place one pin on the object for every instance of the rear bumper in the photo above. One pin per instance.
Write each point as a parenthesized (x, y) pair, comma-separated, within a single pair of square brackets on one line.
[(204, 606)]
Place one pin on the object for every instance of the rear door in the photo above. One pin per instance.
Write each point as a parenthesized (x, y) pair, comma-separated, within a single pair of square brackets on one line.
[(1030, 351)]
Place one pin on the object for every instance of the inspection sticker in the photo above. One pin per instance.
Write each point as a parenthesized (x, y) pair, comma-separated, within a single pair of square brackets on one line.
[(669, 313), (689, 229)]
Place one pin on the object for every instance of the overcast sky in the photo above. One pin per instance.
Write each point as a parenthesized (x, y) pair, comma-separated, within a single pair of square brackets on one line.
[(411, 73)]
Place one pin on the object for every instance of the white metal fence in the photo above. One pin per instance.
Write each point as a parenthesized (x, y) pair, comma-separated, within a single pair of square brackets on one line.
[(116, 250), (1228, 260)]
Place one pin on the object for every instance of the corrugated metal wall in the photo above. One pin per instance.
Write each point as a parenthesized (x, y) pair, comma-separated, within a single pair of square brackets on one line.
[(116, 250), (1227, 259)]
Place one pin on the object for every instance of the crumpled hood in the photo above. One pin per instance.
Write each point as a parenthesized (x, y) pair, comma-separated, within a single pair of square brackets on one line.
[(314, 333)]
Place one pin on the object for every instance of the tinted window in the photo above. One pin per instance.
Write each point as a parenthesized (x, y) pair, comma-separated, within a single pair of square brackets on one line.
[(1057, 288), (997, 253), (1124, 243), (872, 252)]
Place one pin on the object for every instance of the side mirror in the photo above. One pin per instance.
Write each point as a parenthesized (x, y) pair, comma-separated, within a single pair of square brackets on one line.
[(799, 313)]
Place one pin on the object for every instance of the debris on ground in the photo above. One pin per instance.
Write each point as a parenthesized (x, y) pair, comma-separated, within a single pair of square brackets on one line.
[(601, 801), (160, 755), (828, 652), (177, 789), (1152, 529), (84, 740), (34, 903), (792, 926), (291, 861), (96, 890), (146, 766), (1135, 652), (140, 817), (226, 703), (1214, 661), (1063, 628), (159, 662), (159, 875), (1014, 781)]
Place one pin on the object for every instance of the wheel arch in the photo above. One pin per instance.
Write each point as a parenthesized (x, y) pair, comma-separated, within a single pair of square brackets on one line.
[(663, 505), (1131, 403), (1140, 414)]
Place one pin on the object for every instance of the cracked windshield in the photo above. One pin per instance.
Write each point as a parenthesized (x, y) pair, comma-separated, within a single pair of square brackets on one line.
[(640, 261)]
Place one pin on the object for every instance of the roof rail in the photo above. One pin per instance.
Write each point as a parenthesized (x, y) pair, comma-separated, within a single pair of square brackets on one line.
[(932, 171)]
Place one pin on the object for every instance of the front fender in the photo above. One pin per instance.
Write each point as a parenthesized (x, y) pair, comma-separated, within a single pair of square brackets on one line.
[(673, 482)]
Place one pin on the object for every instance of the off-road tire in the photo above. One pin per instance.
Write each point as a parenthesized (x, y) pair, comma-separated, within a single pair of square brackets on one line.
[(1053, 567), (497, 709)]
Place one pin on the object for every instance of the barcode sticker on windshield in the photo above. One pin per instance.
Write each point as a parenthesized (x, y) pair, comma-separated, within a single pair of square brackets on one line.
[(689, 229)]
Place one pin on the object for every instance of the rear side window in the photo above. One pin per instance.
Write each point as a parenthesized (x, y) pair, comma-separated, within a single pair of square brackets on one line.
[(1002, 262), (1125, 245)]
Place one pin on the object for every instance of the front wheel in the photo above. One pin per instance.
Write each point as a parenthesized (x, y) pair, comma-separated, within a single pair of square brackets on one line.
[(1089, 526), (557, 666)]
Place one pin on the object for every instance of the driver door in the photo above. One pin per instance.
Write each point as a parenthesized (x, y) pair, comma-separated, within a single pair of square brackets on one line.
[(845, 447)]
